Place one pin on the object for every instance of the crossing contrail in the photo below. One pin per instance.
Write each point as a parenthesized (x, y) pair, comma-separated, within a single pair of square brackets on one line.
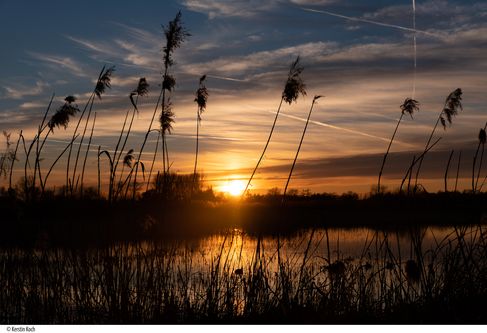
[(415, 49), (344, 129), (357, 19)]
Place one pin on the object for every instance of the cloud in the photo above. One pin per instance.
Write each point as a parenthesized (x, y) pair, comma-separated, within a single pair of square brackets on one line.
[(229, 8), (73, 66), (313, 2), (245, 9), (19, 91), (439, 13), (140, 48), (91, 45), (368, 165), (257, 61)]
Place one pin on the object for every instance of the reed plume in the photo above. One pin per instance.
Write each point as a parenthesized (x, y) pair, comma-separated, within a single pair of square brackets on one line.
[(103, 82), (63, 114), (453, 104), (175, 34), (293, 87), (408, 107), (7, 156), (200, 100), (59, 119), (142, 89)]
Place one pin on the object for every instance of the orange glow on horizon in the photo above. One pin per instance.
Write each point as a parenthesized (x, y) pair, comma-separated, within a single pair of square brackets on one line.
[(234, 187)]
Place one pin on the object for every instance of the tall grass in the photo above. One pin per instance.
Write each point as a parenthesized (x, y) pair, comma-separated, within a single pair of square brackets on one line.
[(453, 104), (482, 138), (299, 146), (103, 82), (200, 100), (409, 106), (293, 87), (175, 34), (177, 283), (8, 156)]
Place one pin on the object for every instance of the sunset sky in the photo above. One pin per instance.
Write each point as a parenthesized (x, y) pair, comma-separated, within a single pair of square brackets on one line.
[(358, 54)]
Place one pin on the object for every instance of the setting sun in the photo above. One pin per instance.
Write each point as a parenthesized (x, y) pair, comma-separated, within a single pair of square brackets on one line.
[(234, 187)]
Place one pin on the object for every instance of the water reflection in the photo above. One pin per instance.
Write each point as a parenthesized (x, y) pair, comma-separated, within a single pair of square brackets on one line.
[(324, 246), (235, 274)]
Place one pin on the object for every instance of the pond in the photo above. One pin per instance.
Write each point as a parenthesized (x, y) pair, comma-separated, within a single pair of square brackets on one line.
[(234, 275)]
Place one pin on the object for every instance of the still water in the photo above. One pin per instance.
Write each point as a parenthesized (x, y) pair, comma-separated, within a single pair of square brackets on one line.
[(236, 274), (317, 247)]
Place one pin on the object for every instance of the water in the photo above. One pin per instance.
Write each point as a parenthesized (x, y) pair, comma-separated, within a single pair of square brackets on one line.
[(235, 274)]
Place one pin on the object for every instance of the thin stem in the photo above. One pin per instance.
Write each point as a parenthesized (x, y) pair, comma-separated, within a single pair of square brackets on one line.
[(92, 96), (153, 161), (475, 162), (446, 171), (80, 146), (117, 159), (197, 149), (163, 152), (99, 176), (458, 169), (145, 141), (409, 171), (86, 155), (57, 159), (265, 148), (299, 148), (13, 161), (40, 130), (480, 166), (387, 151)]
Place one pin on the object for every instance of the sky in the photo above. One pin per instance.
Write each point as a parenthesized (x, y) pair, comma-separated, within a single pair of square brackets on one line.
[(358, 54)]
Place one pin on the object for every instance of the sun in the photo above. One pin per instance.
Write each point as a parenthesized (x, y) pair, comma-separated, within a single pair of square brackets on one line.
[(234, 187)]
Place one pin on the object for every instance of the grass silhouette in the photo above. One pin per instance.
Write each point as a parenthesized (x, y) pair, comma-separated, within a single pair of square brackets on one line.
[(300, 143), (81, 254), (409, 106), (200, 100), (293, 87)]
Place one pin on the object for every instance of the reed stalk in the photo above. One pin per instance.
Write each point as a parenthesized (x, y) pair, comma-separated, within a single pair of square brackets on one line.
[(293, 87)]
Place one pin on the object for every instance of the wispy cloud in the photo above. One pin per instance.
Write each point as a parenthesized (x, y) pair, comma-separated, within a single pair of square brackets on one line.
[(68, 63), (139, 48), (19, 91), (215, 8), (238, 65)]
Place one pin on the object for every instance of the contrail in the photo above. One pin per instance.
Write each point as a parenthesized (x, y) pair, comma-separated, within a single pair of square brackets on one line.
[(415, 49), (395, 26), (343, 129), (225, 78)]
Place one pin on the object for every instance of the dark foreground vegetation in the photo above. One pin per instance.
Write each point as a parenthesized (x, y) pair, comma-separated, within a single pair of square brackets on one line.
[(172, 282), (88, 260), (118, 252)]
